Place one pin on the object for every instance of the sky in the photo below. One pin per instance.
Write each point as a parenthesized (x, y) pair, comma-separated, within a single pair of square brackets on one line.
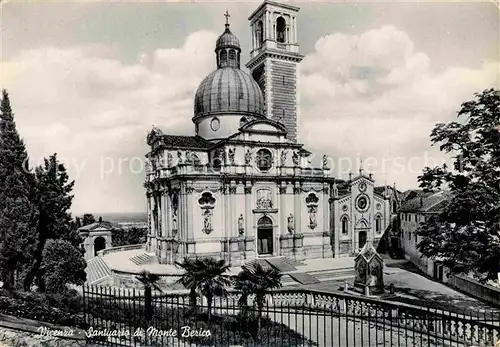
[(87, 80)]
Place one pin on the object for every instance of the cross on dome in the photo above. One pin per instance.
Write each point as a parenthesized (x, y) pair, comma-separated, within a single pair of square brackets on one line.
[(227, 15)]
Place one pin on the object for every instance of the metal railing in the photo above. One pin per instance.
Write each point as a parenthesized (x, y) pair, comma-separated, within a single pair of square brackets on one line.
[(288, 318)]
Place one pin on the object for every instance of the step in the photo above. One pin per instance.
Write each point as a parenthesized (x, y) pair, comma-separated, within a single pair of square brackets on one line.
[(281, 264), (303, 278)]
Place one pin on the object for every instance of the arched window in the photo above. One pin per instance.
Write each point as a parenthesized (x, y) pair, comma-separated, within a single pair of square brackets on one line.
[(260, 33), (280, 29), (345, 225), (312, 199), (207, 199), (378, 224), (232, 54), (264, 160), (394, 206), (223, 56)]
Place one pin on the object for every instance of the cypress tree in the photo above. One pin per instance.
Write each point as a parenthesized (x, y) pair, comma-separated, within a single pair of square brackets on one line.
[(54, 201), (18, 213)]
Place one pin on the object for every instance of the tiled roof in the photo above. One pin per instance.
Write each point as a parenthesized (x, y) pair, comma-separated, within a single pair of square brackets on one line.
[(96, 226), (424, 202), (178, 141)]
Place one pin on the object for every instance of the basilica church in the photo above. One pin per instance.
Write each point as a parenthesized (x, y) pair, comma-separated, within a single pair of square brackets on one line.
[(242, 186)]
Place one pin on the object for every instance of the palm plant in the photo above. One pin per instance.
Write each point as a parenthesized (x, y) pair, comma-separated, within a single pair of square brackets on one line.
[(213, 279), (149, 280), (190, 279), (257, 281)]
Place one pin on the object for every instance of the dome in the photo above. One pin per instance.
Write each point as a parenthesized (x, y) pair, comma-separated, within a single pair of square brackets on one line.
[(227, 40), (228, 90)]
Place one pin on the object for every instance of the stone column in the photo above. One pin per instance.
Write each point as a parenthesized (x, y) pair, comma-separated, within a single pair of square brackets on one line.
[(297, 195), (189, 212), (267, 30), (336, 227), (168, 210), (249, 232), (227, 223), (298, 237), (233, 201), (150, 213), (181, 221), (327, 247), (295, 37), (283, 227), (248, 212), (163, 214), (252, 28), (283, 215), (191, 243)]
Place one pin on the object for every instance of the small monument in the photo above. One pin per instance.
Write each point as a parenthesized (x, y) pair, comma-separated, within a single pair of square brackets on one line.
[(368, 269)]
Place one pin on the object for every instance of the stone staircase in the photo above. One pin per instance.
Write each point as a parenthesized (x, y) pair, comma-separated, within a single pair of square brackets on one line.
[(142, 259), (96, 270), (333, 274), (303, 278)]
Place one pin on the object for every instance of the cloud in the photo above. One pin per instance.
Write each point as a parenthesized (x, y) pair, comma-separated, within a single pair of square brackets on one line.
[(372, 95), (95, 111), (375, 96)]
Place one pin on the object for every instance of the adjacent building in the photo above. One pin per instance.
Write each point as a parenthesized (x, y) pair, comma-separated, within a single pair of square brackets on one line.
[(96, 237), (416, 207)]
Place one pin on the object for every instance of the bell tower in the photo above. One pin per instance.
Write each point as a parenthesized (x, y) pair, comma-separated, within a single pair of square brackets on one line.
[(274, 62)]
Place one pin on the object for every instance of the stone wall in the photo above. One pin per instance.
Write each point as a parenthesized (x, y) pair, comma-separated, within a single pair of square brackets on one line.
[(16, 338), (22, 332), (478, 290)]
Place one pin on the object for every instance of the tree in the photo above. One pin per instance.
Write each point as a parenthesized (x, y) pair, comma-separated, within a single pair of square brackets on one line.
[(88, 218), (149, 280), (190, 279), (465, 234), (62, 264), (128, 236), (18, 212), (213, 279), (256, 280), (54, 200)]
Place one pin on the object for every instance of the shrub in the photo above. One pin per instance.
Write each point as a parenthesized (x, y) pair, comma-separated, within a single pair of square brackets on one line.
[(60, 310)]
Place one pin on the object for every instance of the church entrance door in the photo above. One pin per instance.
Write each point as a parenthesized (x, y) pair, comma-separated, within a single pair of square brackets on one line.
[(265, 236), (362, 238)]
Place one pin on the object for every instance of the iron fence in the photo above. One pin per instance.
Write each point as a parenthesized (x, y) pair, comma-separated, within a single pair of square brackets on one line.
[(125, 317)]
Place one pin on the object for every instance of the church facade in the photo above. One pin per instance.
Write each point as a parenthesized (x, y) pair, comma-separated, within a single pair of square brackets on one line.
[(242, 186)]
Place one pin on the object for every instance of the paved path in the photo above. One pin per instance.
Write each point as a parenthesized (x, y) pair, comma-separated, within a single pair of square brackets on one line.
[(415, 289)]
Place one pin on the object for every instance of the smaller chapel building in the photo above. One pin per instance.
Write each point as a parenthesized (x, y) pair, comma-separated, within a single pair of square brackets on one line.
[(242, 186)]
